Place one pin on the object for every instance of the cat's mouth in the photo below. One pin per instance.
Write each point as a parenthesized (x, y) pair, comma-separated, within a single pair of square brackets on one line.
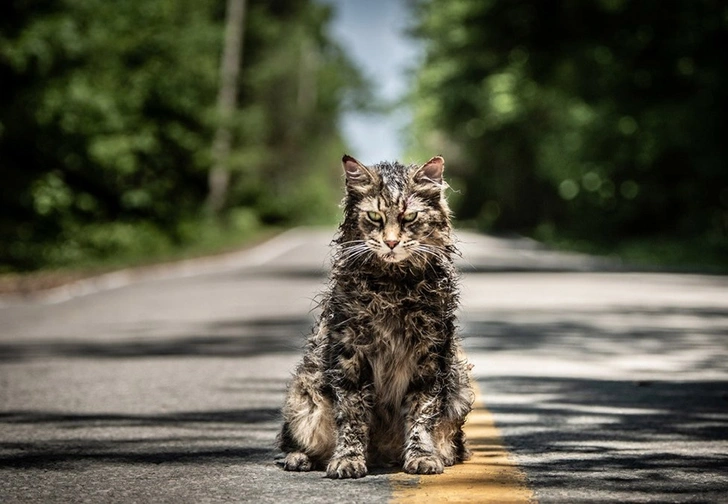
[(392, 256)]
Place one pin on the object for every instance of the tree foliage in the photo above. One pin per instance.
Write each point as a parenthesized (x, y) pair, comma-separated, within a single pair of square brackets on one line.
[(108, 111), (599, 119)]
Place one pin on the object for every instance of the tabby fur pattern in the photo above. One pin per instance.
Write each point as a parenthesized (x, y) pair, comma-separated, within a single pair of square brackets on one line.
[(383, 380)]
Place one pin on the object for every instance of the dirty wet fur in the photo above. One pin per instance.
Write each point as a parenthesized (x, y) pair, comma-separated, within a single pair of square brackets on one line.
[(383, 380)]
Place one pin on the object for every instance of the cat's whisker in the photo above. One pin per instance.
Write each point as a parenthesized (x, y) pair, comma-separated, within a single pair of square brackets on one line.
[(354, 248), (363, 254), (353, 253), (420, 254), (342, 244), (431, 250), (352, 244), (354, 259)]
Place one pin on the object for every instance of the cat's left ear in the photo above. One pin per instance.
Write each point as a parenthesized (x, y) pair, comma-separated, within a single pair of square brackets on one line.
[(431, 171)]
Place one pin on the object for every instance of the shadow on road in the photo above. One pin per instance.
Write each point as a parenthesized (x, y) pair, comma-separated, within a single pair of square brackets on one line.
[(227, 338), (640, 438), (176, 438), (177, 419), (693, 339), (626, 402), (65, 438)]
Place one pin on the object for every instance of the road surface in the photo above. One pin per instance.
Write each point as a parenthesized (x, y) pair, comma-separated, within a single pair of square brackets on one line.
[(605, 386)]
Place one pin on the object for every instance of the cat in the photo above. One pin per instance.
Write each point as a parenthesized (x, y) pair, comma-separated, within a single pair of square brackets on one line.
[(383, 380)]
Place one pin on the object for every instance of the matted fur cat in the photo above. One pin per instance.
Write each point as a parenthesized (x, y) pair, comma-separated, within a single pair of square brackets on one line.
[(383, 380)]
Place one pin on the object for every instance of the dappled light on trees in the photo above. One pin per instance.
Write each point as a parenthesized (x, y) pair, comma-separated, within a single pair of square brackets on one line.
[(598, 120), (108, 115)]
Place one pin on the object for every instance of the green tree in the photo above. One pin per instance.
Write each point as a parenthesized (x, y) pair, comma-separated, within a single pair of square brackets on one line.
[(600, 119), (295, 83), (108, 113), (102, 122)]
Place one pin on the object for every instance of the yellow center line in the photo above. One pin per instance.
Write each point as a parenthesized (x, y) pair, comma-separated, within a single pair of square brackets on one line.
[(490, 476)]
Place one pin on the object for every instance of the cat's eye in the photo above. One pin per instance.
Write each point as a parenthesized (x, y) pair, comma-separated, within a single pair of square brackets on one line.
[(374, 216), (409, 216)]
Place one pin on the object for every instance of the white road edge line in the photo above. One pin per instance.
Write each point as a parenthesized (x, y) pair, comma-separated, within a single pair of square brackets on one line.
[(253, 257)]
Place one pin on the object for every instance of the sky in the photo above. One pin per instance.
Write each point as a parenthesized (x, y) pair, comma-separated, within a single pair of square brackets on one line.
[(373, 34)]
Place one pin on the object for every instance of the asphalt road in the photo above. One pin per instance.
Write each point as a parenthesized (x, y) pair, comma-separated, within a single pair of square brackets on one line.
[(607, 386)]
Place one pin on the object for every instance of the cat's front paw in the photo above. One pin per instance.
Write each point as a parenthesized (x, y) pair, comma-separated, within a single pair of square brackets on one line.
[(346, 467), (297, 461), (427, 464)]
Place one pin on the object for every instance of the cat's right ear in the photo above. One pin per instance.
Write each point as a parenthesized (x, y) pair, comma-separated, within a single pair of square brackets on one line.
[(357, 175)]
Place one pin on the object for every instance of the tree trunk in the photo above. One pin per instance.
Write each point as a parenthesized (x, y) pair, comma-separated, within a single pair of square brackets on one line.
[(219, 177)]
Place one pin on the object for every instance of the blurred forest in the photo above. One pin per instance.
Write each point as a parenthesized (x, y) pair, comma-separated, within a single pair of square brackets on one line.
[(108, 113), (590, 123), (598, 123)]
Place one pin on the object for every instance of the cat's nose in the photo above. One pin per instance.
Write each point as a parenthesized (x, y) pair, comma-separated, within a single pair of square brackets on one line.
[(391, 243)]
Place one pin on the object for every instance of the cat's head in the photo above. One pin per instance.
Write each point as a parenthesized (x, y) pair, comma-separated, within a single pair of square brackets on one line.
[(395, 214)]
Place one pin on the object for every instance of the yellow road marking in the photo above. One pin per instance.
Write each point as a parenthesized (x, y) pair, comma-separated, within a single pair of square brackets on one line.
[(490, 476)]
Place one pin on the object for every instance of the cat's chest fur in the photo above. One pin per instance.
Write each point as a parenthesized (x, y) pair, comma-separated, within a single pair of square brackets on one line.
[(393, 364), (390, 335)]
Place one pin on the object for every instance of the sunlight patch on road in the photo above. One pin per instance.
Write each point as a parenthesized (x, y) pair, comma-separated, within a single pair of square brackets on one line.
[(490, 476)]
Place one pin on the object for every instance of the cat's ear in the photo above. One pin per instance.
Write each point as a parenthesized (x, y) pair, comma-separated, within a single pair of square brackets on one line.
[(431, 171), (357, 175)]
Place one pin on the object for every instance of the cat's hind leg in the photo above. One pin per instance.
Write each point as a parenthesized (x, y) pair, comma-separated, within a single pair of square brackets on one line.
[(448, 434), (450, 444), (297, 461), (308, 435), (434, 435)]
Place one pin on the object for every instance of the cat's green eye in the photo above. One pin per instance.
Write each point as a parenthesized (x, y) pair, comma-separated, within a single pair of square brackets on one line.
[(374, 216), (409, 216)]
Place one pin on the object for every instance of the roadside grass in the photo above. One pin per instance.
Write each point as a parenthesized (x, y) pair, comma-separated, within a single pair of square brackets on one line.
[(141, 248)]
